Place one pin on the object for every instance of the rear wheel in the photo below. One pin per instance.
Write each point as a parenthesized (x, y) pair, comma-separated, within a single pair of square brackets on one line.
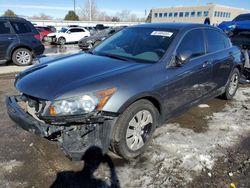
[(134, 129), (232, 85), (22, 57)]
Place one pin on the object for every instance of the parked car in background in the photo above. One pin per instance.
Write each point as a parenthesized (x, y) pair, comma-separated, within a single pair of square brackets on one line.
[(92, 30), (100, 27), (73, 26), (239, 32), (116, 95), (43, 31), (19, 41), (89, 42), (238, 29), (52, 28), (67, 35)]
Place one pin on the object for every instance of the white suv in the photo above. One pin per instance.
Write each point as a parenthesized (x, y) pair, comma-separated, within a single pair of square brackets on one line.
[(67, 35)]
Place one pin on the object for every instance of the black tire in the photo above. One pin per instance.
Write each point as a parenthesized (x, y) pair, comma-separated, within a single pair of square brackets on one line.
[(233, 81), (61, 40), (22, 60), (119, 137)]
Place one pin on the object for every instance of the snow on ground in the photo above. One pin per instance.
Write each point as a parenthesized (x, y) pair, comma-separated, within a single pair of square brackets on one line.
[(177, 154), (203, 106), (6, 168)]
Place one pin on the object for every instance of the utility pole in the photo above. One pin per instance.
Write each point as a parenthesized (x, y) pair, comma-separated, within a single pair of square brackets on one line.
[(75, 6)]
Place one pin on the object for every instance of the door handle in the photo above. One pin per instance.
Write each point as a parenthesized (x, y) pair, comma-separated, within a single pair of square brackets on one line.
[(11, 38), (206, 63)]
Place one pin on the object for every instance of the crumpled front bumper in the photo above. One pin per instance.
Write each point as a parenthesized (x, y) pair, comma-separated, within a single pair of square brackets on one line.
[(73, 138)]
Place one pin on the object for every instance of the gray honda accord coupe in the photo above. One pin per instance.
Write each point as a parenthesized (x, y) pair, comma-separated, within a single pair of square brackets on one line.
[(117, 94)]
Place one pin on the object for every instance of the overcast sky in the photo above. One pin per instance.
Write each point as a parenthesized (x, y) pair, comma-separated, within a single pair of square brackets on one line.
[(58, 8)]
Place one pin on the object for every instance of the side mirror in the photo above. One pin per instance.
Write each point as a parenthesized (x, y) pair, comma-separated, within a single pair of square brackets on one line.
[(69, 32), (182, 57)]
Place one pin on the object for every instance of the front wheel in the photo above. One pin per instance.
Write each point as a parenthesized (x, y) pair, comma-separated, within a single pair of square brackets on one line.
[(134, 129), (61, 41), (232, 85)]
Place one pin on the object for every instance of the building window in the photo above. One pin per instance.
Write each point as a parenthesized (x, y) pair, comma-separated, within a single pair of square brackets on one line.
[(205, 14), (160, 15), (181, 14), (221, 14), (229, 16), (170, 14), (156, 15), (186, 14), (215, 14), (175, 14), (165, 14), (199, 13), (193, 14), (224, 14)]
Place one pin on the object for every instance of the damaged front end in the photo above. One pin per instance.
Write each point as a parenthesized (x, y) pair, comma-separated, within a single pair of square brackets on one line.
[(74, 134)]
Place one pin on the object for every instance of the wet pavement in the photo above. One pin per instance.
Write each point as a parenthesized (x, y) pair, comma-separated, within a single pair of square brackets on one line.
[(51, 51), (208, 146)]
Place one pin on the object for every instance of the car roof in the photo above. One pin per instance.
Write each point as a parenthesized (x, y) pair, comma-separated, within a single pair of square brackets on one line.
[(175, 26), (245, 14), (73, 27), (12, 18)]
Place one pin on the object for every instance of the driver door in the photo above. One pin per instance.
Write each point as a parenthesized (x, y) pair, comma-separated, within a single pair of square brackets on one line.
[(191, 80)]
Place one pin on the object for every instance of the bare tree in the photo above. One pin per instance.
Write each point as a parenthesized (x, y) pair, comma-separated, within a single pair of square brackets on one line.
[(103, 16), (123, 15), (90, 10), (42, 16)]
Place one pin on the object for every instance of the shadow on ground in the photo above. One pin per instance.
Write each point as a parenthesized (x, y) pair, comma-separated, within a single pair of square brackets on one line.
[(93, 157)]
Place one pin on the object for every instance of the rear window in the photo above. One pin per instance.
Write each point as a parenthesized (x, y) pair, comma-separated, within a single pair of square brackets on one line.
[(4, 28), (21, 27), (216, 41), (242, 17)]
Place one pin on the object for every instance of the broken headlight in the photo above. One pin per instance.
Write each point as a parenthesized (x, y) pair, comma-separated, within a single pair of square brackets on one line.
[(81, 104)]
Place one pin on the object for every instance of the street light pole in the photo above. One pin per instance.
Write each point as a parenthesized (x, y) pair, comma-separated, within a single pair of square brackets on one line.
[(74, 6)]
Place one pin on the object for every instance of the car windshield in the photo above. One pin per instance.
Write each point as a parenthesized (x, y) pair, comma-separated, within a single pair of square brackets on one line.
[(242, 17), (63, 30), (146, 45)]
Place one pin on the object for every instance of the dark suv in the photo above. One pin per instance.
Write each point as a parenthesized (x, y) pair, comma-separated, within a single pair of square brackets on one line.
[(19, 41)]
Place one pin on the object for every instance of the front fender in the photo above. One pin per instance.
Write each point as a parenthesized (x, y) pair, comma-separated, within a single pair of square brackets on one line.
[(151, 96)]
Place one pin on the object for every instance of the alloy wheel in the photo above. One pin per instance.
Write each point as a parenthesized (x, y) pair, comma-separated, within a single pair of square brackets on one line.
[(23, 57), (233, 84), (139, 129)]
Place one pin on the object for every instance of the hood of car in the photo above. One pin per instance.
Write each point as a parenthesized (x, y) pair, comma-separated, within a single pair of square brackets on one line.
[(54, 34), (56, 77), (91, 38)]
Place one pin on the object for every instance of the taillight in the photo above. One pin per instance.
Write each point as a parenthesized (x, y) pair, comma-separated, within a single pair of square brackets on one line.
[(37, 36)]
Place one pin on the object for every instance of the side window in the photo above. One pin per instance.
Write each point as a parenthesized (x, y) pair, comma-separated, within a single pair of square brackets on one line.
[(111, 32), (193, 41), (76, 30), (216, 41), (20, 27), (4, 28), (72, 30)]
